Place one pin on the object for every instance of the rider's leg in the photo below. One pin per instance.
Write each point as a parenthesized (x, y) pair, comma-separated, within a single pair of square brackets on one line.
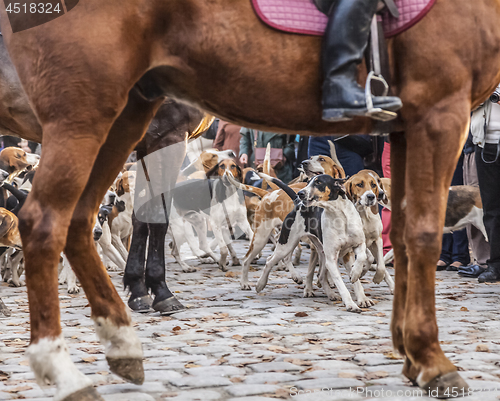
[(345, 41)]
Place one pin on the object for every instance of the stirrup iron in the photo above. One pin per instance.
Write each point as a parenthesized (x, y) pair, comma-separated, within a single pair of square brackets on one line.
[(376, 112)]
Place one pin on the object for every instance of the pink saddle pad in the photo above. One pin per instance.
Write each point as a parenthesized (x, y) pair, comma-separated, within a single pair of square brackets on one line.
[(302, 16)]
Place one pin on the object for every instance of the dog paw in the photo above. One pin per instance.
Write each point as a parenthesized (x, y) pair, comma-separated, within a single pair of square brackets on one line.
[(297, 278), (236, 262), (261, 284), (245, 286), (205, 261), (366, 303), (353, 308), (223, 267), (15, 283), (189, 269), (73, 290), (308, 293), (378, 277), (333, 297)]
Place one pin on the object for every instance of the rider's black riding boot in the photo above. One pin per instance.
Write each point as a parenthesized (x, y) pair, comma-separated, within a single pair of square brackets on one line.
[(344, 44)]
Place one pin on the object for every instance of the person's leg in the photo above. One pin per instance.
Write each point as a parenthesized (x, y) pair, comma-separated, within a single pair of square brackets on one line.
[(460, 252), (346, 38), (489, 177), (350, 161), (386, 213), (319, 145), (480, 247), (446, 252)]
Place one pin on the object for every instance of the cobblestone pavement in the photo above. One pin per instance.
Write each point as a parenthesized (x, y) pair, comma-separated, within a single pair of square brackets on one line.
[(238, 345)]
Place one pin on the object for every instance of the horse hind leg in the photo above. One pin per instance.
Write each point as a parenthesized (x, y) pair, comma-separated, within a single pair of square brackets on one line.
[(134, 276), (164, 301)]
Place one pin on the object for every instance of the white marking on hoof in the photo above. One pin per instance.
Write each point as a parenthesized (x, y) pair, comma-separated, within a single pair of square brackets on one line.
[(119, 341), (50, 361)]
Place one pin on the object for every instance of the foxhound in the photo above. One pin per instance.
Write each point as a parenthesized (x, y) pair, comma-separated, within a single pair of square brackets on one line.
[(274, 207), (324, 215), (364, 189)]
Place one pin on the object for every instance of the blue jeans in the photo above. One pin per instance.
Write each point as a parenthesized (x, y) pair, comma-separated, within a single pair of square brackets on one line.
[(456, 245), (351, 161)]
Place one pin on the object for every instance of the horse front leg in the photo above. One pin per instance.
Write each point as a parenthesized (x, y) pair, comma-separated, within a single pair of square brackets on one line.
[(434, 142), (398, 221), (43, 222), (111, 317)]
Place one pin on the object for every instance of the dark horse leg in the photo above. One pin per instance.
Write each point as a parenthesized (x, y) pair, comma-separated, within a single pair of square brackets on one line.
[(139, 280), (133, 279), (164, 302)]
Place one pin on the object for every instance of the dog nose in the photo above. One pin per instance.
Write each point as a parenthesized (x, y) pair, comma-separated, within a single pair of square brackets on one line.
[(370, 197), (381, 195), (301, 195), (97, 234)]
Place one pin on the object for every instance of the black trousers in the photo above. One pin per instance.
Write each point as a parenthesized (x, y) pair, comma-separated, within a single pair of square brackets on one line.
[(488, 174)]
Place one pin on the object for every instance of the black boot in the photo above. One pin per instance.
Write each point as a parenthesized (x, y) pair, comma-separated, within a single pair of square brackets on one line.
[(344, 44), (490, 275)]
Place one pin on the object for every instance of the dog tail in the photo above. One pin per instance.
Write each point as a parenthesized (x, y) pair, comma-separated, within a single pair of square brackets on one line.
[(266, 169), (254, 190), (281, 185)]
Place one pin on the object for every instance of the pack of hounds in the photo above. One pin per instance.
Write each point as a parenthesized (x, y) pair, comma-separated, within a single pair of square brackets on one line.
[(336, 216)]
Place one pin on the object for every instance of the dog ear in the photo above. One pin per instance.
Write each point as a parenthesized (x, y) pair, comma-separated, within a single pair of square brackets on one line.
[(119, 188), (349, 187), (240, 173), (7, 221), (214, 171)]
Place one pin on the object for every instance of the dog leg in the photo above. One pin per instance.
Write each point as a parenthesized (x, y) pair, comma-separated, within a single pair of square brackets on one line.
[(361, 298), (224, 251), (333, 270), (176, 254), (15, 260), (361, 263), (377, 251), (313, 261), (291, 268), (200, 226), (297, 255), (256, 246), (4, 310), (118, 244), (281, 251), (69, 276)]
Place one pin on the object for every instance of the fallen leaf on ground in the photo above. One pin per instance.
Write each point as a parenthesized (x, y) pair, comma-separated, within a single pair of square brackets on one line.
[(301, 314), (482, 348), (192, 365)]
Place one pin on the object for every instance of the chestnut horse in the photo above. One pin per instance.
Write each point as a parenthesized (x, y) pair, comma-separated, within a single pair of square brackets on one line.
[(96, 76)]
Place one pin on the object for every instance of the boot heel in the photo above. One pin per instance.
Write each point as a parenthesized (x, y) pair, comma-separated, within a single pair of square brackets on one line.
[(335, 115)]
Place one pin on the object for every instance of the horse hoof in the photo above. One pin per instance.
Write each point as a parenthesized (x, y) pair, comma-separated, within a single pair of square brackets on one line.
[(129, 369), (141, 304), (450, 385), (85, 394), (169, 306)]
